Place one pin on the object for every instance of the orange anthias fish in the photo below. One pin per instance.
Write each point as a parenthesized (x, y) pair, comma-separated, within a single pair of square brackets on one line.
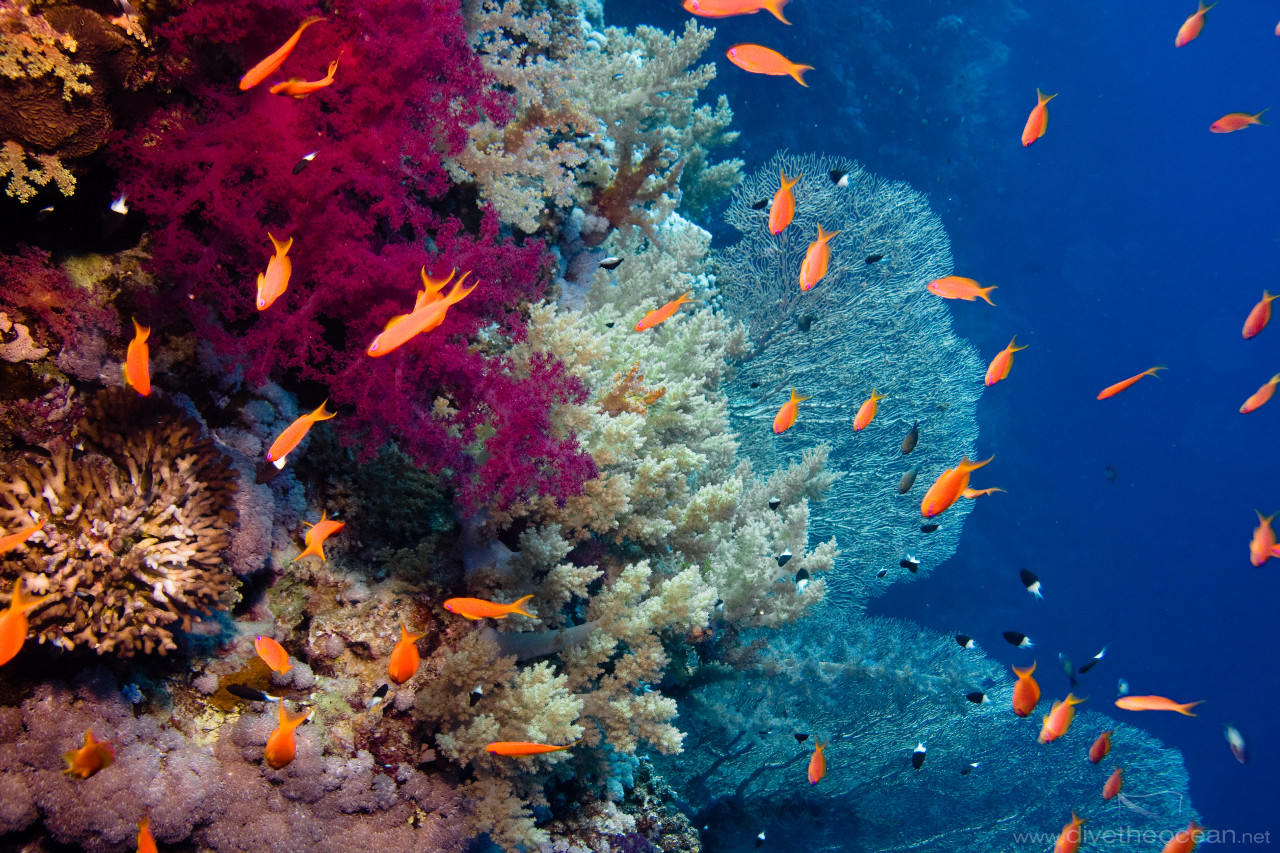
[(1059, 718), (146, 844), (1070, 837), (666, 312), (13, 540), (317, 534), (272, 283), (959, 287), (948, 488), (1114, 783), (867, 411), (1026, 693), (814, 265), (818, 763), (1186, 840), (1263, 542), (137, 367), (1192, 26), (762, 60), (404, 657), (1038, 121), (786, 417), (1112, 390), (1101, 747), (428, 313), (728, 8), (1000, 365), (296, 88), (282, 746), (1155, 703), (979, 493), (1259, 316), (1236, 121), (13, 622), (268, 66), (272, 654), (90, 758), (517, 747), (294, 433), (1260, 396), (431, 287), (783, 208), (478, 608)]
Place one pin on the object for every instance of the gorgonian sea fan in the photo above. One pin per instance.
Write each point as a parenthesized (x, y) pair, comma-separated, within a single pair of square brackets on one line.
[(213, 170)]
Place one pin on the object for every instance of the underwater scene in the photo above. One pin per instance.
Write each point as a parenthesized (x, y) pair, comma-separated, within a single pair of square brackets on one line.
[(638, 426)]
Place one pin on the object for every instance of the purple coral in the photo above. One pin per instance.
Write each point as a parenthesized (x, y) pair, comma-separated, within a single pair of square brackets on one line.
[(214, 171)]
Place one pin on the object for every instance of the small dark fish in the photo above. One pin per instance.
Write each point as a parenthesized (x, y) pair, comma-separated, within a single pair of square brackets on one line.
[(302, 164), (266, 472), (760, 839), (1236, 741), (476, 695), (977, 697), (86, 595), (839, 177), (775, 502), (1031, 582), (1019, 640), (611, 263), (760, 205), (930, 528), (1110, 473), (965, 641), (784, 557), (801, 738), (763, 733), (1093, 661), (610, 324), (970, 767), (873, 259), (33, 448), (44, 213), (378, 695), (910, 563), (1068, 668), (917, 757), (802, 580), (243, 692), (882, 573), (805, 322), (755, 384), (913, 438), (618, 76), (908, 480)]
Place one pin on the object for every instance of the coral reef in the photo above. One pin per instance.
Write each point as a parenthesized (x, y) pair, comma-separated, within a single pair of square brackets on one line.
[(904, 347), (363, 226), (876, 691), (131, 548)]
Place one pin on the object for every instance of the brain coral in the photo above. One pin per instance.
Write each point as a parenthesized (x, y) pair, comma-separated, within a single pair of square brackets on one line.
[(135, 527)]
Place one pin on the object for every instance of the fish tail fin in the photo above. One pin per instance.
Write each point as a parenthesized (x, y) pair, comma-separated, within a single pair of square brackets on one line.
[(788, 183), (22, 601), (686, 298), (797, 71), (824, 235), (985, 293), (290, 721), (281, 248), (974, 466), (1264, 519), (517, 606), (775, 7), (309, 21), (796, 398), (1186, 709), (875, 396), (1151, 371), (1073, 699), (1267, 295), (313, 550), (333, 66), (1025, 671), (143, 332), (823, 744), (458, 293), (1013, 345), (406, 635), (1043, 98), (321, 415)]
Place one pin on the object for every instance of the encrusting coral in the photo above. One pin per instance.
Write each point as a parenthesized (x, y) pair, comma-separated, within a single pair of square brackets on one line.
[(131, 548)]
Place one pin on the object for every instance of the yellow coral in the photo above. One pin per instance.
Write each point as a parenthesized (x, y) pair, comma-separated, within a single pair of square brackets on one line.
[(30, 47), (24, 180)]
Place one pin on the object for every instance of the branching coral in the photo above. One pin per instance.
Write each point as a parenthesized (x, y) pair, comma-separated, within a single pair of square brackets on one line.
[(31, 48), (131, 548), (864, 326), (24, 179)]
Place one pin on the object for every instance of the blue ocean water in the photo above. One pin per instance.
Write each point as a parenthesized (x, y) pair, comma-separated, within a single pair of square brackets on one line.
[(1129, 236)]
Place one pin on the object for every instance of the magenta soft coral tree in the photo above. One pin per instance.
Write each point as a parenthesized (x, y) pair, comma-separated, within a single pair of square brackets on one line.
[(214, 171)]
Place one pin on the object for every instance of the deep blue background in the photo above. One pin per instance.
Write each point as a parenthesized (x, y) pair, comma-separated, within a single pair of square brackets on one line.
[(1128, 236)]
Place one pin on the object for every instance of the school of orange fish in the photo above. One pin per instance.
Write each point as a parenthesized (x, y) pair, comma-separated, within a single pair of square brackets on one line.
[(429, 312)]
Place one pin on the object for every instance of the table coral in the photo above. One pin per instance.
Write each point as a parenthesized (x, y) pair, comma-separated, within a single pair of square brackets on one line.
[(135, 528)]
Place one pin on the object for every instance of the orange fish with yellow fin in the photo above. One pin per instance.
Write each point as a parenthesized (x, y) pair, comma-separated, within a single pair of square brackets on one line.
[(90, 758), (479, 608), (729, 8), (666, 312), (786, 417), (282, 746), (1038, 121), (404, 657), (272, 63), (762, 60), (137, 366), (294, 433), (959, 287), (13, 621)]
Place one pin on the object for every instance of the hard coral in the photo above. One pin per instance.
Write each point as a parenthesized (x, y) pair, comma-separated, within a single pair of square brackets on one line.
[(134, 530)]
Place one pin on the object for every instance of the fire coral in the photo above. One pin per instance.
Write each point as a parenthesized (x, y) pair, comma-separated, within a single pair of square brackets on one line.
[(214, 169)]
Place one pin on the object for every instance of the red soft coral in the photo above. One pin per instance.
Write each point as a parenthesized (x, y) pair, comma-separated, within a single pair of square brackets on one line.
[(214, 171)]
